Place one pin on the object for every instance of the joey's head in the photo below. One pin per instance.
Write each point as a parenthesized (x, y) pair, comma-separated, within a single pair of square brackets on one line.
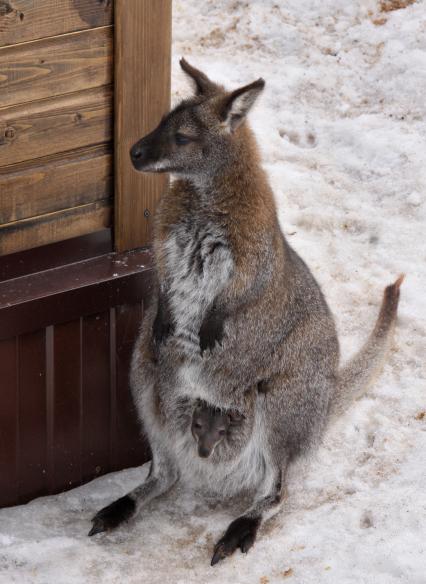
[(209, 428), (198, 135)]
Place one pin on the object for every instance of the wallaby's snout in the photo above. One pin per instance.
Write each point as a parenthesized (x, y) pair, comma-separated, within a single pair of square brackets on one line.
[(209, 427), (147, 153), (204, 452)]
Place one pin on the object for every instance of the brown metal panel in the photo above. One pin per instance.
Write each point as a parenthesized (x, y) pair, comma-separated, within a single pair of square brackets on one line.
[(8, 422), (131, 449), (67, 292), (55, 255), (32, 461), (113, 389), (50, 405), (142, 95), (96, 406), (67, 405), (25, 20)]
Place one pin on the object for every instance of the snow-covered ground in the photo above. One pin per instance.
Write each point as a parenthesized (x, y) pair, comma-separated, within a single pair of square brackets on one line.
[(342, 129)]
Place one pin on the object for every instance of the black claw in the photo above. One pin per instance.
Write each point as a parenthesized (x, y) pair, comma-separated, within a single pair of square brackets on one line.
[(97, 527), (112, 515), (163, 326), (247, 543), (211, 330), (218, 555)]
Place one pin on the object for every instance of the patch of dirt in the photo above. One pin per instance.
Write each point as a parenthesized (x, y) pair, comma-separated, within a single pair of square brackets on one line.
[(390, 5), (193, 537), (380, 21)]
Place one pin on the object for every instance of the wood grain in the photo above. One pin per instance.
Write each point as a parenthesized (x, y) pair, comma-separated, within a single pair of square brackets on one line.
[(36, 231), (26, 20), (57, 124), (56, 182), (142, 96), (55, 66)]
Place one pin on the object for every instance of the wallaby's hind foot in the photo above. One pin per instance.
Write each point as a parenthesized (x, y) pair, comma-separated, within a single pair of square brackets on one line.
[(241, 533), (113, 515)]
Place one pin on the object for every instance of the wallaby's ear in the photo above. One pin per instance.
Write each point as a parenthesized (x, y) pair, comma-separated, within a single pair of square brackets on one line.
[(203, 85), (237, 104)]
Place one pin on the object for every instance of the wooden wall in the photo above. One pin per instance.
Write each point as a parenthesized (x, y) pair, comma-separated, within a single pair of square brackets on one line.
[(56, 120)]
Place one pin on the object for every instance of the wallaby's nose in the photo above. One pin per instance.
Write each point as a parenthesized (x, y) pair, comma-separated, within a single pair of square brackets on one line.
[(204, 452), (136, 152)]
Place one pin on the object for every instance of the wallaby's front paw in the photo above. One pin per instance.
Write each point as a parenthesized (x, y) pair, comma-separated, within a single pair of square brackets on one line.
[(111, 516), (161, 329), (163, 323), (241, 533), (211, 330)]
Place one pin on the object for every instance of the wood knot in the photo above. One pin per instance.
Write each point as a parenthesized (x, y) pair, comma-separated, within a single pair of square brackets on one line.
[(5, 8), (9, 133)]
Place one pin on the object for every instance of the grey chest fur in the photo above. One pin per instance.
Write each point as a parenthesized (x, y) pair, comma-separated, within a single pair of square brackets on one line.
[(199, 264)]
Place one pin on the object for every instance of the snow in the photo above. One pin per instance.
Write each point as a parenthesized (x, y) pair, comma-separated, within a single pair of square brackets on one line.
[(341, 126)]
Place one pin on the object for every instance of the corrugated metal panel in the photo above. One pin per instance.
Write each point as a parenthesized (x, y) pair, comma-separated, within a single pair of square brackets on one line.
[(66, 338), (66, 412)]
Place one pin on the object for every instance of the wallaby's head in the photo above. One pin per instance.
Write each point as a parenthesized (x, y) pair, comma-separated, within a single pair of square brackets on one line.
[(198, 135), (209, 428)]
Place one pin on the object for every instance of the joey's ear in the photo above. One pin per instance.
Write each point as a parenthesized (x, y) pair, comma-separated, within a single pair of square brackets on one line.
[(237, 104), (203, 85)]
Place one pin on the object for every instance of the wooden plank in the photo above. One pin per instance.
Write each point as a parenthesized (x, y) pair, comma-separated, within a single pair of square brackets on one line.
[(57, 226), (32, 470), (55, 66), (25, 20), (96, 405), (54, 125), (8, 423), (61, 181), (142, 96), (67, 406)]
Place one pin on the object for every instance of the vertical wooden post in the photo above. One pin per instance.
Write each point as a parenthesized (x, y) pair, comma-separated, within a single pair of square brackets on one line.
[(142, 96)]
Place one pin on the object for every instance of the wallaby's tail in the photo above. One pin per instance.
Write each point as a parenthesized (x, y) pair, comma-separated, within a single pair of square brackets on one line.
[(360, 372)]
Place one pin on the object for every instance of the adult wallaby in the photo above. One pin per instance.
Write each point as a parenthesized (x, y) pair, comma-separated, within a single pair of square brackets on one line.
[(235, 307)]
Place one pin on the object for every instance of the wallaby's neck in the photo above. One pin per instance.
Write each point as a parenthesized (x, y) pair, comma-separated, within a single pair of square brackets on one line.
[(240, 178)]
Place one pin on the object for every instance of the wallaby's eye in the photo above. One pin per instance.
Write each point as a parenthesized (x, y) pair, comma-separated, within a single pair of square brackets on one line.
[(181, 139), (197, 425), (222, 432)]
